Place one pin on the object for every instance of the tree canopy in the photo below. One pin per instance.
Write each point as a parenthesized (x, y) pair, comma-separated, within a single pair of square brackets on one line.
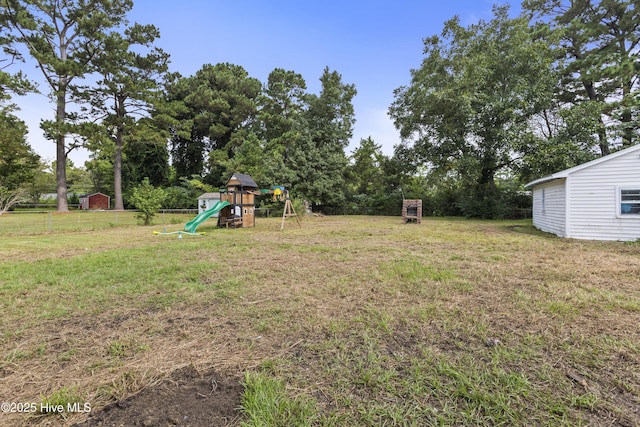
[(128, 88), (492, 105), (18, 162), (465, 111), (208, 113), (12, 80), (64, 37), (597, 44)]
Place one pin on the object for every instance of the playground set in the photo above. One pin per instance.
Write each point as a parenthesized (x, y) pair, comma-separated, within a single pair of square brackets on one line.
[(235, 205)]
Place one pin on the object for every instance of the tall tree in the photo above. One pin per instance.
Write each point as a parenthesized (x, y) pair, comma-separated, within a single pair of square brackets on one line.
[(283, 102), (43, 182), (318, 156), (128, 87), (209, 114), (11, 80), (249, 158), (18, 162), (365, 171), (598, 42), (145, 156), (466, 110), (100, 170), (64, 37), (370, 180), (173, 115), (226, 101), (280, 120)]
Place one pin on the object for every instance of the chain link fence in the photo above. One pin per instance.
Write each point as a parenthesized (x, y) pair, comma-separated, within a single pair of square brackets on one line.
[(33, 221), (39, 221)]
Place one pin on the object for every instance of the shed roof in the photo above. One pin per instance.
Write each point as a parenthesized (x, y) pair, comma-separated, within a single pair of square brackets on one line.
[(565, 173), (92, 194), (209, 196), (244, 179)]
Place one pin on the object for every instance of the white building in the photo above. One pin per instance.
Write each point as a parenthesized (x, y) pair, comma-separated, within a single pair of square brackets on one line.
[(206, 202), (598, 200)]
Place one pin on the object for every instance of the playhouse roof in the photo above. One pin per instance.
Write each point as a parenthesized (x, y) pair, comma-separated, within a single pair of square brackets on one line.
[(245, 180)]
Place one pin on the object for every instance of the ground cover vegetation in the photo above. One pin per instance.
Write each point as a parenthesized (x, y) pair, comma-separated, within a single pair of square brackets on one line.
[(473, 131), (25, 222), (348, 320)]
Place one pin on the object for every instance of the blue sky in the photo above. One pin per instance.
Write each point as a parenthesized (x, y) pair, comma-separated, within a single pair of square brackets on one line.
[(372, 44)]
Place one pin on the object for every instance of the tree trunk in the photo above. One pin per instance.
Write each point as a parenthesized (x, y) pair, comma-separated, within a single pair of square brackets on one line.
[(602, 138), (486, 192), (487, 180), (626, 83), (61, 153), (602, 133), (117, 172), (626, 117), (117, 159)]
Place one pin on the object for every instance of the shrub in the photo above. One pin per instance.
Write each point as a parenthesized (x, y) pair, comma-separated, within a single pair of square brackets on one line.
[(179, 198), (147, 199)]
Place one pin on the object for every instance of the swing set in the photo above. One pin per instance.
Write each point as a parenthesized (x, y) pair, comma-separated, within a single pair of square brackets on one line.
[(281, 194)]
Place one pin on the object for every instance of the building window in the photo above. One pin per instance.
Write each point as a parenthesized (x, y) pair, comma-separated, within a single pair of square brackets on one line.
[(542, 203), (630, 202)]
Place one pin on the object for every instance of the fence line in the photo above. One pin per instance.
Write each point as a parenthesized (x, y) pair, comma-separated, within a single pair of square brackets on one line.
[(48, 221), (34, 222)]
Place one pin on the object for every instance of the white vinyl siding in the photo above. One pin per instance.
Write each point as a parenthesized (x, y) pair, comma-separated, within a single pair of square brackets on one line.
[(549, 207), (600, 199), (594, 200)]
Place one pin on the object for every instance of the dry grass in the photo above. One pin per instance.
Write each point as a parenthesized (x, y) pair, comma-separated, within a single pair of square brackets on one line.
[(372, 320)]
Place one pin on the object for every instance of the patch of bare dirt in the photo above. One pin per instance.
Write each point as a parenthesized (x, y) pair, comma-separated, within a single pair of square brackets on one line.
[(186, 398)]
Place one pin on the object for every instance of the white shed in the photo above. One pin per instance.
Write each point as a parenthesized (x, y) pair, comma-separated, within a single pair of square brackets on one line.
[(207, 200), (598, 200)]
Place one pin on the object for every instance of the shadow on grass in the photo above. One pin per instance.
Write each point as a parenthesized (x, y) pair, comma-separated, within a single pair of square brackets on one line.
[(528, 229)]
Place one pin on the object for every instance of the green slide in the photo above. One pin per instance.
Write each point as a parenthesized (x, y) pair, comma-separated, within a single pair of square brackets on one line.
[(192, 225)]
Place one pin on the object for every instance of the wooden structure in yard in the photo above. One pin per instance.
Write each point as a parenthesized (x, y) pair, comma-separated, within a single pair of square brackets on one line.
[(240, 192), (288, 211), (412, 211), (94, 201)]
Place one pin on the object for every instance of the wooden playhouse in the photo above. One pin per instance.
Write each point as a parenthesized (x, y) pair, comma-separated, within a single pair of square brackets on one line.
[(240, 193)]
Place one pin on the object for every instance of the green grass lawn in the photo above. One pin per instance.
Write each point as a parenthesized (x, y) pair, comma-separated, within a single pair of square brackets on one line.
[(344, 321), (27, 222)]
